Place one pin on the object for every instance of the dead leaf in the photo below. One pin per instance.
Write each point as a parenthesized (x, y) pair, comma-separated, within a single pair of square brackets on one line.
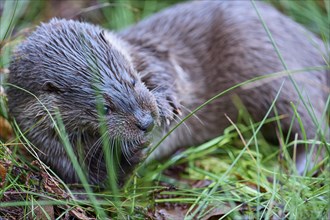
[(175, 213), (80, 214), (43, 212), (6, 132), (50, 184), (3, 174), (201, 183), (216, 213)]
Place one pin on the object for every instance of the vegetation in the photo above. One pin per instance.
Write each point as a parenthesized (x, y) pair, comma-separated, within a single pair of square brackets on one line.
[(237, 175)]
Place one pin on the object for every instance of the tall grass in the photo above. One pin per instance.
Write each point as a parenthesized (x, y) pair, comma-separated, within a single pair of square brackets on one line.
[(237, 175)]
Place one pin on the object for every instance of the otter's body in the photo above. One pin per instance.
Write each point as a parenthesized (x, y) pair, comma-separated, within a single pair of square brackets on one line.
[(156, 71)]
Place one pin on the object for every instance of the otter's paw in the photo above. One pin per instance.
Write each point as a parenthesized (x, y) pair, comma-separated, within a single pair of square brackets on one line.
[(169, 107)]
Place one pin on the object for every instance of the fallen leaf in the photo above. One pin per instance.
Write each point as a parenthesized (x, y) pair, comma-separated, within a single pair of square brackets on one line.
[(80, 214), (50, 184), (43, 212), (3, 174), (216, 213), (175, 213), (6, 132)]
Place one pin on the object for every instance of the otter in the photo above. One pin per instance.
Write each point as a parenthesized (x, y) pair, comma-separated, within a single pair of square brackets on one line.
[(146, 78)]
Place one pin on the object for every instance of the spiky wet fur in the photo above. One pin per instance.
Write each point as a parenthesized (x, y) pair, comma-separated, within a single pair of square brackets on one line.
[(177, 59)]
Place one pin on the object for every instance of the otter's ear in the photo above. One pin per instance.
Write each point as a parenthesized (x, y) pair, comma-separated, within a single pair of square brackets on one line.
[(50, 87)]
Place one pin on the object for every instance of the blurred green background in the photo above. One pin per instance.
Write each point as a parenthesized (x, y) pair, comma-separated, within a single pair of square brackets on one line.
[(18, 17)]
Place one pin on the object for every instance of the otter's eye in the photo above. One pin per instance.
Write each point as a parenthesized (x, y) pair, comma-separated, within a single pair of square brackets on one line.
[(106, 109)]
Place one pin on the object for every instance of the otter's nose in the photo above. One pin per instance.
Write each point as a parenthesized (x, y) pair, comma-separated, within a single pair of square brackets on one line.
[(146, 123)]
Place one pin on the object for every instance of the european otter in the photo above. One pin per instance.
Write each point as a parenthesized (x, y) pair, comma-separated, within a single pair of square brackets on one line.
[(155, 72)]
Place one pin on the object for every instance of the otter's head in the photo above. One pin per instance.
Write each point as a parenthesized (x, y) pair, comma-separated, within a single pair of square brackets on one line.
[(75, 68)]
